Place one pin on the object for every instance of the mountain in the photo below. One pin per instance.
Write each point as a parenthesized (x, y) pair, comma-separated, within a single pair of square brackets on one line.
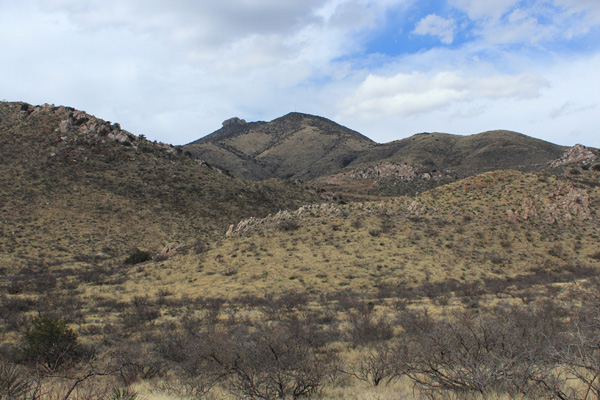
[(74, 187), (307, 147), (295, 146)]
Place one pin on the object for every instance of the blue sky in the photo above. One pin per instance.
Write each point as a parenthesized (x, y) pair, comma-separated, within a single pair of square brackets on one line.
[(174, 70)]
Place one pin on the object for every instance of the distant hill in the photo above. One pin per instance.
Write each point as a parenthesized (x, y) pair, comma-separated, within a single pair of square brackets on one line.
[(75, 187), (465, 155), (308, 147)]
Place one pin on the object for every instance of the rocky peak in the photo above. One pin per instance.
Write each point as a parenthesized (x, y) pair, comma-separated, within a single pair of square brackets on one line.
[(234, 121)]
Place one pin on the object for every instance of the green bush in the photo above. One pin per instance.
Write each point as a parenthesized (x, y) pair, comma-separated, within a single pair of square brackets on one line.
[(50, 342), (138, 256)]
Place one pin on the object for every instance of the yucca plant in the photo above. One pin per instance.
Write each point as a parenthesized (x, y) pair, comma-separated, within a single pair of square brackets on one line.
[(12, 384), (124, 394)]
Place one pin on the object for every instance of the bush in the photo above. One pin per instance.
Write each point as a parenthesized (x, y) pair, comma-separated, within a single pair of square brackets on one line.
[(275, 362), (50, 342), (138, 256), (365, 327)]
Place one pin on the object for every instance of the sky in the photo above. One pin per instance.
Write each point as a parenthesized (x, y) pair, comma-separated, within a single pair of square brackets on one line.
[(174, 70)]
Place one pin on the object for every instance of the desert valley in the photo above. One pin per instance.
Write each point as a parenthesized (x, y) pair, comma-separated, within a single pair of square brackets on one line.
[(295, 258)]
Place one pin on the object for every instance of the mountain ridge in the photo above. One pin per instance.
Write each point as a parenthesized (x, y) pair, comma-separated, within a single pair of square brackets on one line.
[(313, 148)]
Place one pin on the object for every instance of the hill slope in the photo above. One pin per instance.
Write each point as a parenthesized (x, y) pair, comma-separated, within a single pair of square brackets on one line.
[(74, 187), (487, 228)]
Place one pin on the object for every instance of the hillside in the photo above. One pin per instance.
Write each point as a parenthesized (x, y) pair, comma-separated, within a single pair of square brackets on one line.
[(306, 147), (76, 188), (489, 227)]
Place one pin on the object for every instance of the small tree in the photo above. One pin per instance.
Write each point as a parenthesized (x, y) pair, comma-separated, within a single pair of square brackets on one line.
[(50, 342)]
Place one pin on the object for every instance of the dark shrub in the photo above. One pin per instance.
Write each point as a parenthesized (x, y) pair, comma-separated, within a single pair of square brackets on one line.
[(138, 256), (287, 225)]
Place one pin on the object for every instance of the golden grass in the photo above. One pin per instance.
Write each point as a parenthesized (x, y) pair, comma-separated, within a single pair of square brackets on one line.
[(450, 233)]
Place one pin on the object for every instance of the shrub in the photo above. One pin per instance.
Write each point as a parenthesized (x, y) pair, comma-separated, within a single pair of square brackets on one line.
[(288, 225), (12, 384), (275, 363), (365, 327), (50, 342), (138, 256), (124, 394)]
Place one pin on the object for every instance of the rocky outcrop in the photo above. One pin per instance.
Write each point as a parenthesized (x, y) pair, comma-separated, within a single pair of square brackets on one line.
[(565, 204), (282, 218), (76, 125), (576, 154), (234, 121), (385, 171)]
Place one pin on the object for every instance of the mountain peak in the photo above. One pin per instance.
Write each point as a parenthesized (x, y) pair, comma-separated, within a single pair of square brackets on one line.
[(296, 145)]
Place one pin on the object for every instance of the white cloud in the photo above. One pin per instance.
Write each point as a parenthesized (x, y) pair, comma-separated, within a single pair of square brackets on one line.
[(437, 26), (417, 92)]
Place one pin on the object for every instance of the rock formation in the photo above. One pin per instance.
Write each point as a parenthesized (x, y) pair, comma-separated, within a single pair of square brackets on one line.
[(234, 121), (576, 154)]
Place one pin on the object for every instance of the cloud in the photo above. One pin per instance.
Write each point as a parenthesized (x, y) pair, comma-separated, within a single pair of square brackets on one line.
[(530, 22), (410, 94), (477, 9), (588, 9), (437, 26), (174, 70), (569, 108)]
